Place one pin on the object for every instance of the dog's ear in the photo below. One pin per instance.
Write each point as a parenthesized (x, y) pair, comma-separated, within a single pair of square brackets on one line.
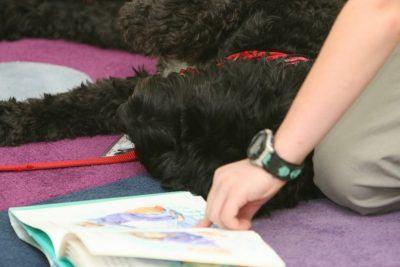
[(189, 31), (151, 116)]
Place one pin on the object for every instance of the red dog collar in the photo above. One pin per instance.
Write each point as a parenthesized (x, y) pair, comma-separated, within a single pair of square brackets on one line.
[(257, 55), (267, 56)]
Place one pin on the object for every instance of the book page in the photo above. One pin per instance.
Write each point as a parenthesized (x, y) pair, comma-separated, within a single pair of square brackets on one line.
[(80, 256), (161, 211), (204, 245)]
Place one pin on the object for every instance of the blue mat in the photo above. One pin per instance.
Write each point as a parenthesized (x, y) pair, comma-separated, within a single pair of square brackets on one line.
[(16, 253)]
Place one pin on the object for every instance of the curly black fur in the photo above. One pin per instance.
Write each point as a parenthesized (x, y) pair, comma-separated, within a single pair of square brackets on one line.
[(92, 22), (183, 127), (190, 31), (87, 110), (197, 31)]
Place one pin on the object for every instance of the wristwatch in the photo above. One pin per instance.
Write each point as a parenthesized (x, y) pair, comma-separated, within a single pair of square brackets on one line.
[(261, 153)]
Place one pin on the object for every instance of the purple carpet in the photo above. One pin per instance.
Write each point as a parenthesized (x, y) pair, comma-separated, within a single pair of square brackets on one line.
[(30, 187), (25, 188), (95, 62), (317, 233)]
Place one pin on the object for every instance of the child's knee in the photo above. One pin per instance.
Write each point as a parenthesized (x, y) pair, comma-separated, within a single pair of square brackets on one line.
[(339, 175)]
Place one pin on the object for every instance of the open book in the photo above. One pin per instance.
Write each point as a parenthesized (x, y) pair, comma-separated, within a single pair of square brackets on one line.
[(147, 230)]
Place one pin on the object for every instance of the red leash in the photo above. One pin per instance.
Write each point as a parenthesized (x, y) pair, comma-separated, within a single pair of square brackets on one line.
[(121, 158)]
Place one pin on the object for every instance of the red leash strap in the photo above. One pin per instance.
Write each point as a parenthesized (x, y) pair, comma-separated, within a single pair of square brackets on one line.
[(121, 158)]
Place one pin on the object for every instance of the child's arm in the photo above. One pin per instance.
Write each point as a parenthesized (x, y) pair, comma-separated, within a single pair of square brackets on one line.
[(363, 36)]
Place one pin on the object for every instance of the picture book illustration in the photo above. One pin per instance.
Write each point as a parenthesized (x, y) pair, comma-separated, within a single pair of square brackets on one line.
[(196, 241), (145, 217)]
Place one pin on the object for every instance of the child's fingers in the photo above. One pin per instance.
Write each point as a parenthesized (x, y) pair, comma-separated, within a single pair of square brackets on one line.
[(248, 211), (214, 208), (204, 223), (210, 198), (229, 212)]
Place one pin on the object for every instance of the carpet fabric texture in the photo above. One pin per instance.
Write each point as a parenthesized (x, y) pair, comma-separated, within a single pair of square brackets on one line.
[(316, 233), (95, 62), (24, 188), (320, 233)]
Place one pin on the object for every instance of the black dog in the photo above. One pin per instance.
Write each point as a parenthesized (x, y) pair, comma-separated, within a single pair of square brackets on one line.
[(183, 126), (86, 21)]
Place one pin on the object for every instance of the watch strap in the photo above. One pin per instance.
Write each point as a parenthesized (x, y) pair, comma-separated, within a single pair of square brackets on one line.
[(280, 168), (269, 160)]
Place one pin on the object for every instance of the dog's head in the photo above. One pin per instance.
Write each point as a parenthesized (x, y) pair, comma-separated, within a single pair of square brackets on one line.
[(190, 31), (185, 127)]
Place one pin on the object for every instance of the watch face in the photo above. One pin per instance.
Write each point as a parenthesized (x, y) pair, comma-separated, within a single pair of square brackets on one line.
[(257, 145)]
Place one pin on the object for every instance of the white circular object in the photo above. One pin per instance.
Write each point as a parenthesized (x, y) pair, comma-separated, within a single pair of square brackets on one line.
[(23, 80)]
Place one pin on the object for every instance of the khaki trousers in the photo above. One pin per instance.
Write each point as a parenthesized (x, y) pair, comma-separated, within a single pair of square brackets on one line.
[(357, 165)]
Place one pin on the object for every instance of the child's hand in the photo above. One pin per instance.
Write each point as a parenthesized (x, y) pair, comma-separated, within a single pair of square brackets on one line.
[(239, 189)]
